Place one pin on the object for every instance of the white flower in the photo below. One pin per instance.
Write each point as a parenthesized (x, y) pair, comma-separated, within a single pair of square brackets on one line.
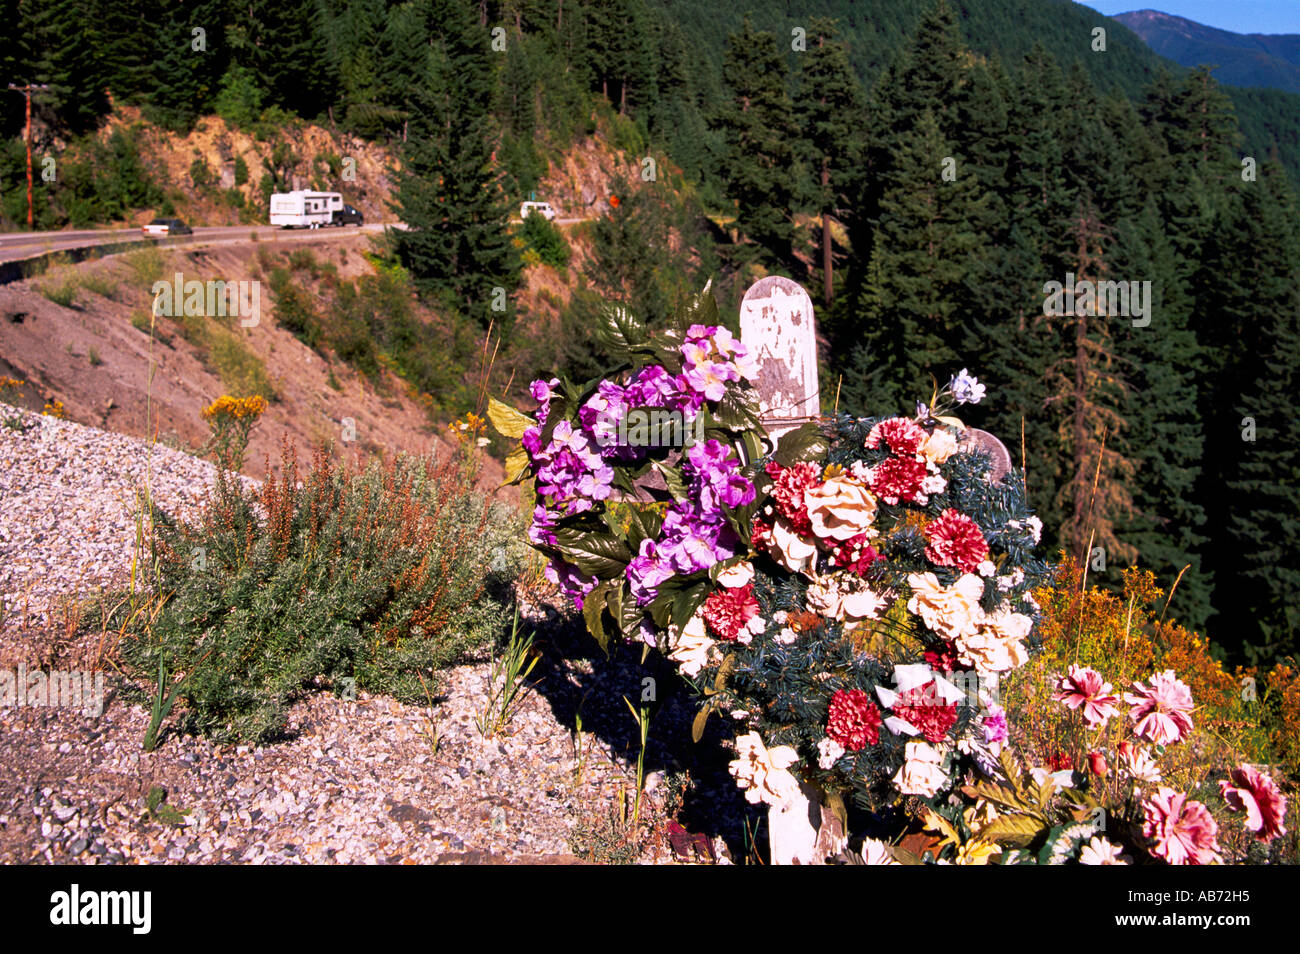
[(737, 574), (792, 551), (1061, 779), (987, 568), (922, 773), (1138, 763), (1013, 579), (829, 598), (786, 636), (876, 852), (966, 388), (1101, 852), (829, 752), (762, 772), (691, 647)]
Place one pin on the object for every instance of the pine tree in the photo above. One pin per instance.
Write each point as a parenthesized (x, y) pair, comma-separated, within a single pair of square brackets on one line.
[(925, 246), (757, 129), (830, 113), (448, 191)]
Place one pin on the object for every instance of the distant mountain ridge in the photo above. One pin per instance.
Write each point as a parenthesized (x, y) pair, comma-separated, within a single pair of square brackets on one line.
[(1252, 59)]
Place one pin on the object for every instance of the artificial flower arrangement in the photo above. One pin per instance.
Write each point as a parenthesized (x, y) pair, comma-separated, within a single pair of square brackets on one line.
[(849, 595)]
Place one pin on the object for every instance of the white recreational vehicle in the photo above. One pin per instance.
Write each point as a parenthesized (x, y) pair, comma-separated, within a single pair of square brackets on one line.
[(301, 208)]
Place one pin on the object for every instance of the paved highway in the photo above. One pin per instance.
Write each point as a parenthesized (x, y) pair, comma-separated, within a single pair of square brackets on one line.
[(19, 245)]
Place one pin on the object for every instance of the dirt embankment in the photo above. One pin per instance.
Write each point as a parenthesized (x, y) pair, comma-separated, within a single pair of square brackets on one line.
[(96, 354)]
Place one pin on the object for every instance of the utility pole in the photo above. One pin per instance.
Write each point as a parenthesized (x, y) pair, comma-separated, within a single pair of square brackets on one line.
[(27, 91)]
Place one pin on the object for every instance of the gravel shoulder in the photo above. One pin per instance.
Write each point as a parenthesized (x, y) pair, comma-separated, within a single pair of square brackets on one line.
[(364, 781)]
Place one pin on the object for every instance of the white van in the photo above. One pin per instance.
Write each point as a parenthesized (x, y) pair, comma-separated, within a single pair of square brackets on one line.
[(301, 208), (541, 208)]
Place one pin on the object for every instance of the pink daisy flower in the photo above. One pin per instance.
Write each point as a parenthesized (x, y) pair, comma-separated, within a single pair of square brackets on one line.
[(1160, 710), (1084, 688), (1184, 832), (1255, 793)]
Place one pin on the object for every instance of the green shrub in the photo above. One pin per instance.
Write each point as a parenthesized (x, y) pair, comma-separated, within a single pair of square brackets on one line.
[(200, 175), (60, 288), (294, 308), (239, 101), (241, 171), (147, 265), (546, 239), (381, 576)]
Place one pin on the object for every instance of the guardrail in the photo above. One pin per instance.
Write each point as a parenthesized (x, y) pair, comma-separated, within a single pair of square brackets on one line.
[(19, 269)]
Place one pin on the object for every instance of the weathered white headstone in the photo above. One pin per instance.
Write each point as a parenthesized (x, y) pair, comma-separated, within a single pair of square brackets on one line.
[(777, 326)]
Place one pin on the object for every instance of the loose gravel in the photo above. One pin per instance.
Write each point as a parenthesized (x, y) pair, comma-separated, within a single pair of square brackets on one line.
[(365, 781)]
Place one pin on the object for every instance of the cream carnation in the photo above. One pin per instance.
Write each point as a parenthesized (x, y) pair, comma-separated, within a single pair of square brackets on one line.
[(949, 612), (939, 446), (922, 773), (997, 645)]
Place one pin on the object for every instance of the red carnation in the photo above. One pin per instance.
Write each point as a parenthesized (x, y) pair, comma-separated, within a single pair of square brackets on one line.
[(924, 711), (854, 720), (760, 534), (729, 610), (902, 435), (955, 540), (855, 555), (898, 478), (791, 482)]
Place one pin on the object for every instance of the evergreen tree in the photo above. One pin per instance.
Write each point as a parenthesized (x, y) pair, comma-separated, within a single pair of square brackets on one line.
[(925, 246), (829, 110), (448, 191), (758, 131)]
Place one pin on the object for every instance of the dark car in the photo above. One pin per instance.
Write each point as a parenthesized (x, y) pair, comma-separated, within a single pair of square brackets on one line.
[(346, 216), (166, 227)]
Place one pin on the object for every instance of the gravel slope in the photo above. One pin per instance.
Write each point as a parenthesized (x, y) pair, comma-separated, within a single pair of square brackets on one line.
[(362, 781)]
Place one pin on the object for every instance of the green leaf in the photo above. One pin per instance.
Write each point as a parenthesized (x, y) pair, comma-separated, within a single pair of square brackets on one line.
[(508, 421), (517, 464), (673, 480), (619, 330), (805, 442), (593, 611), (687, 602), (1017, 831), (739, 409), (595, 554), (701, 717)]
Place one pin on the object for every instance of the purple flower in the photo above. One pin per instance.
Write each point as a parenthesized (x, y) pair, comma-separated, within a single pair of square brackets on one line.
[(570, 580), (541, 392), (647, 572), (542, 530), (994, 725)]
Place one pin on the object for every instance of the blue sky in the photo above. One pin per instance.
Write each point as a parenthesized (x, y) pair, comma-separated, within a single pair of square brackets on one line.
[(1239, 16)]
